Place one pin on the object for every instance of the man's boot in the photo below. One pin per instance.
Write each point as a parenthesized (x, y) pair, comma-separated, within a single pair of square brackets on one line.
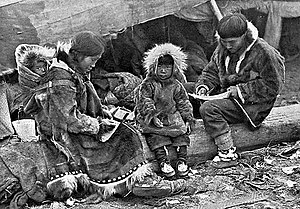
[(227, 156)]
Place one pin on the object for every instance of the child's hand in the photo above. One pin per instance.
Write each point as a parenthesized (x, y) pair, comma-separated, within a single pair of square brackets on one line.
[(157, 122), (188, 128)]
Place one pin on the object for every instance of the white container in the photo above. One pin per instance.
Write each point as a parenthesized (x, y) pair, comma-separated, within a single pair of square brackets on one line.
[(25, 128)]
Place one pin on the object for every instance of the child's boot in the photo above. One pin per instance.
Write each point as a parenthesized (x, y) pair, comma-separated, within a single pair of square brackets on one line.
[(181, 165), (164, 164), (167, 169)]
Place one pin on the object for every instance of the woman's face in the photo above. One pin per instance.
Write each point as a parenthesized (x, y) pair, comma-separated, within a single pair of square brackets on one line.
[(163, 71), (233, 44), (88, 62)]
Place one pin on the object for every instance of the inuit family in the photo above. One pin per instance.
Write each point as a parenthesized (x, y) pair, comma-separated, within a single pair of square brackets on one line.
[(71, 117)]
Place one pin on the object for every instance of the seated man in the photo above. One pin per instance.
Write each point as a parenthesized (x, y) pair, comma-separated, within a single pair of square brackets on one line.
[(250, 70)]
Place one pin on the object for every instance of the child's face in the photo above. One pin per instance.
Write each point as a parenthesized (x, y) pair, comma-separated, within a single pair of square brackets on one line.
[(164, 71), (40, 68)]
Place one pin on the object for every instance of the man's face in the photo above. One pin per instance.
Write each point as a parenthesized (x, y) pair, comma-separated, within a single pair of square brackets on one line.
[(87, 63), (164, 71), (233, 44)]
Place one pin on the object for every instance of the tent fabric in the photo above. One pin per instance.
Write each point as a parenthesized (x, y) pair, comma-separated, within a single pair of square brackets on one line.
[(6, 128), (276, 10), (41, 22)]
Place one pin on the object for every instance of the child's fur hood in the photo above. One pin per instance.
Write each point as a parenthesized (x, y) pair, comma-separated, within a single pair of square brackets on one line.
[(26, 53), (151, 59)]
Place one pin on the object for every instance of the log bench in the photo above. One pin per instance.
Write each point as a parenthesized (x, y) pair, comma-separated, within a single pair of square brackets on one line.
[(282, 125)]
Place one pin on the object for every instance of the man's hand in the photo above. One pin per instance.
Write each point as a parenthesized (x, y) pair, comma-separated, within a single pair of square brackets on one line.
[(202, 91), (233, 91), (157, 122)]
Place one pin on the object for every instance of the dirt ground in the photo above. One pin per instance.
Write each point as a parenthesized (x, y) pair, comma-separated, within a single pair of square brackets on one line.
[(267, 178)]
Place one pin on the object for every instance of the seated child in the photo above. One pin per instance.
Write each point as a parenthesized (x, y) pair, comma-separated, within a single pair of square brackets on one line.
[(163, 110)]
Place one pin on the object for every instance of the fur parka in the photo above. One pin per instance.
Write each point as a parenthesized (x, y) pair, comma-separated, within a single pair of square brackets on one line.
[(164, 99), (259, 75)]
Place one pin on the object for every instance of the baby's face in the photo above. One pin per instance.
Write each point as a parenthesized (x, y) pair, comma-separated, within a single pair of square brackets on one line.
[(40, 68), (163, 71)]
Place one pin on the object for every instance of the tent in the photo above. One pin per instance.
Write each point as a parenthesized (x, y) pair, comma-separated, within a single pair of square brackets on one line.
[(41, 21)]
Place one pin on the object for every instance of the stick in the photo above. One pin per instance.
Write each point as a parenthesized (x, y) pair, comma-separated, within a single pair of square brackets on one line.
[(216, 9)]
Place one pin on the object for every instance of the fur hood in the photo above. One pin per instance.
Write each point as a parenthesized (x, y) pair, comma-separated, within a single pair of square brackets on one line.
[(25, 55), (180, 65)]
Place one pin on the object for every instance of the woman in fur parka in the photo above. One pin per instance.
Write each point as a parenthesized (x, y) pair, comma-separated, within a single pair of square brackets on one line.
[(72, 121), (163, 109), (250, 70)]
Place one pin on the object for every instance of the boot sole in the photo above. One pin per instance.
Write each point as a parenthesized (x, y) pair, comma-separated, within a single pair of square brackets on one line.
[(224, 164), (183, 174)]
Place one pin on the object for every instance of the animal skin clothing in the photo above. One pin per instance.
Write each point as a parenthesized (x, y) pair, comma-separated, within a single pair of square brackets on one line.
[(258, 74)]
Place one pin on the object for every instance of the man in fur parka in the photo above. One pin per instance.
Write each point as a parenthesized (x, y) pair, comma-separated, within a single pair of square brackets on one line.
[(251, 71), (163, 109)]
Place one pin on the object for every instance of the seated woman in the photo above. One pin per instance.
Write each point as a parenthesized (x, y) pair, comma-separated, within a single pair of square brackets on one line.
[(71, 157)]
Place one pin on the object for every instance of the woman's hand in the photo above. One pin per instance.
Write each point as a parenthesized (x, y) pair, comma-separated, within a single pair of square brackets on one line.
[(157, 122), (107, 125), (106, 113)]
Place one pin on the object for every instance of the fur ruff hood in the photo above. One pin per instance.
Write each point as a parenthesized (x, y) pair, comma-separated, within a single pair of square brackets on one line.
[(180, 65), (25, 55)]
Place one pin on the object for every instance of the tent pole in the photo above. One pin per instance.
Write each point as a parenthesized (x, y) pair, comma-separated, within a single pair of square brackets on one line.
[(216, 9)]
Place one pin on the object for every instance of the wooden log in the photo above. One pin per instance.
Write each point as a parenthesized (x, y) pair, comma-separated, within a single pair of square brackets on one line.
[(282, 125)]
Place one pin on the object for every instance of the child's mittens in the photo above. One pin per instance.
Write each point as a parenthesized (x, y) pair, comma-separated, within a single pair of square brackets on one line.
[(190, 124)]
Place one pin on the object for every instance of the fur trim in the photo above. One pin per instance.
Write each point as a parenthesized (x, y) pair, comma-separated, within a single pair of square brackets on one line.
[(7, 71), (124, 186), (63, 46), (26, 53), (151, 59), (62, 52)]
